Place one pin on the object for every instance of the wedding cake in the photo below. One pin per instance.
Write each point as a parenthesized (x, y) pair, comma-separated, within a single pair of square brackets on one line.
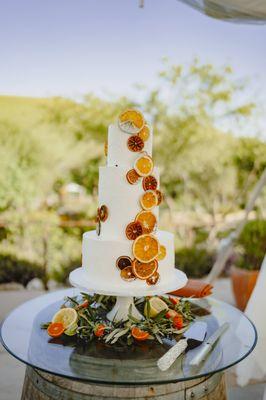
[(127, 251)]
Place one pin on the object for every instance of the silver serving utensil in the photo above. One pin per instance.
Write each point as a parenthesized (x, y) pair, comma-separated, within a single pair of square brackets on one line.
[(208, 345), (193, 337)]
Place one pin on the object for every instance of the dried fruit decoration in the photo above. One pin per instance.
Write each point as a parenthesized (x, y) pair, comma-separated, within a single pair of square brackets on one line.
[(145, 248), (144, 165), (132, 177), (162, 253), (144, 271), (144, 134), (135, 144), (131, 121), (149, 183), (55, 329), (152, 280), (149, 200), (159, 196), (127, 274), (103, 213), (147, 220), (123, 262), (138, 334), (133, 230)]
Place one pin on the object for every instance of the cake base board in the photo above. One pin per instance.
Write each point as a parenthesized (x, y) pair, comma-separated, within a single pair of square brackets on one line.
[(79, 278)]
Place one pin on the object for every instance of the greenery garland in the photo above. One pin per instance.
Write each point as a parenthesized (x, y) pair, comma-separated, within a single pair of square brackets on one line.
[(92, 322)]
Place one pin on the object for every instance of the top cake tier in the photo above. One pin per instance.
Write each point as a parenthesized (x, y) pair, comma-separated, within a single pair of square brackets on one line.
[(117, 145)]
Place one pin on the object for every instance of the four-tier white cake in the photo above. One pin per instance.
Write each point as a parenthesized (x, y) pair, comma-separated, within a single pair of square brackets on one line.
[(121, 202)]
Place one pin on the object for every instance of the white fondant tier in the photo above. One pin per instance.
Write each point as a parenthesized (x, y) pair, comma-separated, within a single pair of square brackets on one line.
[(99, 261), (122, 200), (118, 152)]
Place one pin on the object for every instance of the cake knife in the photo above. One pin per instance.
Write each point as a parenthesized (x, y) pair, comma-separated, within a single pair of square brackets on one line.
[(193, 337), (208, 345)]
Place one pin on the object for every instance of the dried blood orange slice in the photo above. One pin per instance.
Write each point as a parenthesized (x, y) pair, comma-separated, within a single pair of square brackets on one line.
[(127, 274), (132, 177), (152, 280), (103, 213), (159, 196), (147, 220), (123, 262), (144, 271), (149, 183), (144, 165), (133, 230), (145, 248), (144, 133), (131, 121), (148, 200), (162, 253), (135, 144)]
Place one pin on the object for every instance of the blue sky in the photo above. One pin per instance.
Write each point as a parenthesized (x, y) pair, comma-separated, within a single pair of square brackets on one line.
[(71, 47)]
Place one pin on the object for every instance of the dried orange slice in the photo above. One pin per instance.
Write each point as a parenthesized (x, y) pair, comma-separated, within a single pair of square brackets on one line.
[(149, 183), (133, 230), (138, 334), (144, 134), (144, 271), (147, 220), (144, 165), (135, 144), (148, 200), (159, 196), (152, 280), (132, 177), (123, 262), (106, 148), (162, 253), (103, 213), (55, 329), (131, 121), (127, 274), (145, 248)]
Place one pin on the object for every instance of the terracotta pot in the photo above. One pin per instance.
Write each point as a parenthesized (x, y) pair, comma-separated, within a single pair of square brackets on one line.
[(243, 282)]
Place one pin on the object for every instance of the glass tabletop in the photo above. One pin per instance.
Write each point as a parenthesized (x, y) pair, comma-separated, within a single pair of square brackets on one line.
[(96, 362)]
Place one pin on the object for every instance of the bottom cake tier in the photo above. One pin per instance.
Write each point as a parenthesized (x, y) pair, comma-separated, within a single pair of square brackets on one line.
[(99, 264)]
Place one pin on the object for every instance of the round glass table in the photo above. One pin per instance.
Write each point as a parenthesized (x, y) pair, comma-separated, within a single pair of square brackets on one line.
[(98, 365)]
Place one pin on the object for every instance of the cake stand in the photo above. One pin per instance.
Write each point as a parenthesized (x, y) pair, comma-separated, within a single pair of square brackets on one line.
[(126, 291)]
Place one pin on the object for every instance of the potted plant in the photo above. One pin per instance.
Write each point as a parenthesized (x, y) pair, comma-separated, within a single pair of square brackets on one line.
[(251, 249)]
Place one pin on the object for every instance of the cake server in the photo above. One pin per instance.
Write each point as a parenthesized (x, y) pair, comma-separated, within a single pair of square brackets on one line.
[(208, 345), (193, 337)]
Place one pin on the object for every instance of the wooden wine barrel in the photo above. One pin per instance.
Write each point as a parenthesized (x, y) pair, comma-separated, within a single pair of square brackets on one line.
[(43, 386)]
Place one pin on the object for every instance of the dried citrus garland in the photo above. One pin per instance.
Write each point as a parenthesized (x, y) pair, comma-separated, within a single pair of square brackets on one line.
[(85, 318)]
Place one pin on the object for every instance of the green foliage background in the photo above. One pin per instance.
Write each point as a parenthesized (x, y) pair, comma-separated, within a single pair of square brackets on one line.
[(206, 174)]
